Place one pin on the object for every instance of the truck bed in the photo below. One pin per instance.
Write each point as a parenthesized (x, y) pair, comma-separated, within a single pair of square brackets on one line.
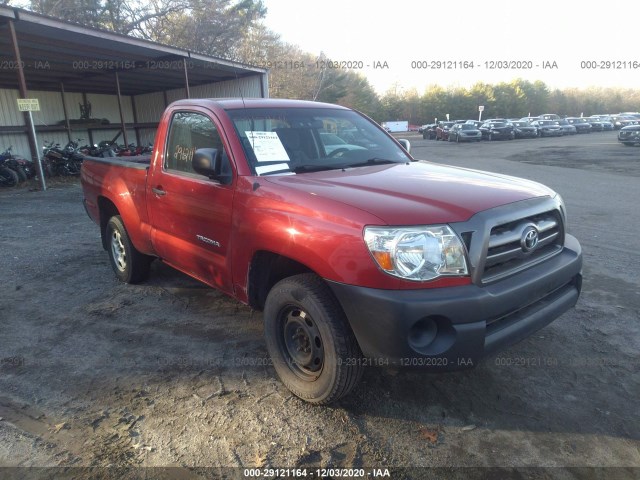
[(103, 177), (123, 161)]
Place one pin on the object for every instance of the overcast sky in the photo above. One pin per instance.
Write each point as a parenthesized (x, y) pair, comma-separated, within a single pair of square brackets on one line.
[(566, 32)]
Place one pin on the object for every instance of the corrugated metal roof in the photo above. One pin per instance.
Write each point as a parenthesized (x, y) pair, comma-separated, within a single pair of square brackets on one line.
[(86, 59)]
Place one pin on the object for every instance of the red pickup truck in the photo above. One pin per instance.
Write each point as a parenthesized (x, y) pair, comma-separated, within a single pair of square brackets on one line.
[(357, 254)]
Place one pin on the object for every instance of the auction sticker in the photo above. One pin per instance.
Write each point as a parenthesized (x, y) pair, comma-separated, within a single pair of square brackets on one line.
[(267, 146)]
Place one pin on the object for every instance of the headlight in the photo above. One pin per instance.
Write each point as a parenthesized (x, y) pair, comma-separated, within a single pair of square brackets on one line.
[(417, 253)]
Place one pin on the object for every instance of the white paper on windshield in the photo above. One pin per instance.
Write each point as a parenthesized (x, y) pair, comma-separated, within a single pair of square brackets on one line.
[(262, 169), (267, 146)]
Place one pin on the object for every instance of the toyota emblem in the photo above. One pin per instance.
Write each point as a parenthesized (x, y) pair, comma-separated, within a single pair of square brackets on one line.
[(529, 239)]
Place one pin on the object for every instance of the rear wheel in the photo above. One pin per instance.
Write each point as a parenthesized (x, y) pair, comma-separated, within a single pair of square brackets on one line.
[(129, 265), (313, 349), (22, 175)]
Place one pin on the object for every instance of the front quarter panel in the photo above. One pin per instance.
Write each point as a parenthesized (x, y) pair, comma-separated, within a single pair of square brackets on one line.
[(299, 226)]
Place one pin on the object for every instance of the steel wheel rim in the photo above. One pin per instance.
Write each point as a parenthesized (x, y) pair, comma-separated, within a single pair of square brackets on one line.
[(118, 251), (301, 343)]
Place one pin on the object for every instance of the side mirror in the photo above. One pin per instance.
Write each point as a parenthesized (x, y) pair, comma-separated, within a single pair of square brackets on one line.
[(208, 162), (405, 143)]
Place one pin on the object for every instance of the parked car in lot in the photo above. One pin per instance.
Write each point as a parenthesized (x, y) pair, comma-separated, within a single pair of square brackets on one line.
[(524, 129), (605, 120), (567, 128), (497, 129), (333, 142), (621, 121), (356, 257), (464, 132), (547, 128), (629, 135), (442, 130), (529, 119), (429, 131), (581, 124), (596, 124)]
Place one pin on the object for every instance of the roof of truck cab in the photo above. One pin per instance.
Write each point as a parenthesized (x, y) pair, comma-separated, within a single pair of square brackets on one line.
[(239, 103)]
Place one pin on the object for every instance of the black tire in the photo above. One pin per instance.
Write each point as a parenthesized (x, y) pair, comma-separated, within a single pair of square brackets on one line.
[(9, 178), (313, 349), (46, 169), (22, 175), (129, 265)]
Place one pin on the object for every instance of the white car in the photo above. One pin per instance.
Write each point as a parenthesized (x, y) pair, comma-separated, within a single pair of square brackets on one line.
[(333, 142)]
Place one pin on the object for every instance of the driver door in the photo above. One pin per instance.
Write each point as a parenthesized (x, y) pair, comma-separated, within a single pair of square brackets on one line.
[(190, 213)]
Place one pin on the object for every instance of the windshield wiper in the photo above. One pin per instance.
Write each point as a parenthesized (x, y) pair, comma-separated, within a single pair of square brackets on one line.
[(371, 161), (313, 168)]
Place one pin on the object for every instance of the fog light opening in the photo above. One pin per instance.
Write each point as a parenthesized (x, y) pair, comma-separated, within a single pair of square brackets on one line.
[(432, 335), (423, 333)]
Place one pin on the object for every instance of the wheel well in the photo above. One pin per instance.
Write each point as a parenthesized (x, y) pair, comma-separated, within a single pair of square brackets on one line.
[(265, 271), (107, 210)]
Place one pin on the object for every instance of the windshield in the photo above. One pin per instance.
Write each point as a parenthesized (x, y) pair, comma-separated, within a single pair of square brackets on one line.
[(521, 124), (467, 126), (296, 140)]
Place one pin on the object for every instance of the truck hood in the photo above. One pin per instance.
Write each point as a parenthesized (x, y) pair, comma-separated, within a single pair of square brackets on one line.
[(415, 193)]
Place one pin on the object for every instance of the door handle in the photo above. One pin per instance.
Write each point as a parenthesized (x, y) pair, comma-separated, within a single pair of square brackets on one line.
[(158, 191)]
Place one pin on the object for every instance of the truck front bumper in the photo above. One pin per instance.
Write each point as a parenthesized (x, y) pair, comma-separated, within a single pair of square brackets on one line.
[(453, 328)]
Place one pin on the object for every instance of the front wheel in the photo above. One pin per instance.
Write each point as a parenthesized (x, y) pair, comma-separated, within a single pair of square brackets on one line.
[(129, 265), (8, 178), (313, 349)]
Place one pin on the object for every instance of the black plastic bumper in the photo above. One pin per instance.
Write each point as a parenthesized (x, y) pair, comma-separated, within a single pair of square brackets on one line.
[(453, 328)]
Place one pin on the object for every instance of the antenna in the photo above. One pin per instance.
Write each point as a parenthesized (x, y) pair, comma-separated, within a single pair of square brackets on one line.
[(235, 71), (244, 105)]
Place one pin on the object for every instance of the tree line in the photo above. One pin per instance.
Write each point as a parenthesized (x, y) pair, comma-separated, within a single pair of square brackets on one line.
[(233, 30)]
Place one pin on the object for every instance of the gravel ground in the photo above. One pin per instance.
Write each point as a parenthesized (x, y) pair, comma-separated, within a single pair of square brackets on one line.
[(170, 373)]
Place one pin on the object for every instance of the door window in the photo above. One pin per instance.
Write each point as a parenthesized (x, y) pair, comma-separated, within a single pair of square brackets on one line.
[(188, 132)]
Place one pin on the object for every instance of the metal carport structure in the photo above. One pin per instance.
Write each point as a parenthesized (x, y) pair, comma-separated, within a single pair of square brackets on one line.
[(45, 54)]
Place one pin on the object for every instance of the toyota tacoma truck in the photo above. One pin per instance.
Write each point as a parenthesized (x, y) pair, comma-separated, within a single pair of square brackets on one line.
[(356, 253)]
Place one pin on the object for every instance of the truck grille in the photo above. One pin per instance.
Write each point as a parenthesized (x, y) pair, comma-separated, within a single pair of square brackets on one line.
[(508, 252)]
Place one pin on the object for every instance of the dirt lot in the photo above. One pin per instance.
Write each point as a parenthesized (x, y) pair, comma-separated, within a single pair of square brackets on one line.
[(171, 373)]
